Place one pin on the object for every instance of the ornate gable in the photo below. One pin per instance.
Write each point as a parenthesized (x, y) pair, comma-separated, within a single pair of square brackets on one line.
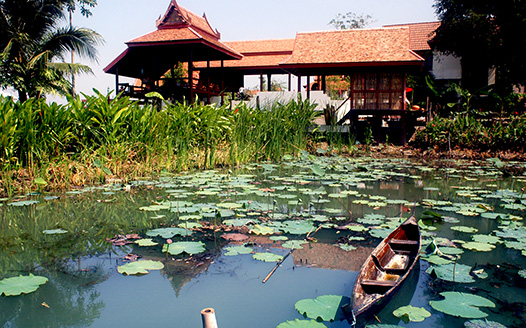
[(179, 17)]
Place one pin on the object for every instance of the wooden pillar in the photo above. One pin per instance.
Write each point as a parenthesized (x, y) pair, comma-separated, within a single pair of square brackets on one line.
[(222, 81), (324, 83), (290, 82), (116, 81), (260, 81), (299, 84), (191, 76), (308, 86), (269, 82), (208, 81)]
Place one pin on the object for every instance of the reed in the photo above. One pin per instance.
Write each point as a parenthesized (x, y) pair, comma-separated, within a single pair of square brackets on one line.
[(62, 143)]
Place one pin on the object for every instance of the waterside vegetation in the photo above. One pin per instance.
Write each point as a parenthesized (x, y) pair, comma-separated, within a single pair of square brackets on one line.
[(90, 139)]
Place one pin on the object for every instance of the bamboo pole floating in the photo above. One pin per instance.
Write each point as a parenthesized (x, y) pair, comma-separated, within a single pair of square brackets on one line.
[(276, 267), (209, 318)]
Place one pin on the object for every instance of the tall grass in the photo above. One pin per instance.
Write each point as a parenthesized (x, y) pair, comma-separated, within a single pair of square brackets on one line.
[(129, 138)]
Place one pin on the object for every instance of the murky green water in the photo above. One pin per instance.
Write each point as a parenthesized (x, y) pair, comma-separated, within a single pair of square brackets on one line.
[(293, 199)]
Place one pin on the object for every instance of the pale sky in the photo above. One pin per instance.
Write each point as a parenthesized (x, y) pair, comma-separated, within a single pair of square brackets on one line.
[(119, 21)]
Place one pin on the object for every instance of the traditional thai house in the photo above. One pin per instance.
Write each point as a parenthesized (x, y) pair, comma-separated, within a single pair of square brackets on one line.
[(374, 62)]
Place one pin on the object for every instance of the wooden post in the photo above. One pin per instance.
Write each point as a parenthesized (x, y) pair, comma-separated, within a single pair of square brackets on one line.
[(209, 318), (308, 86), (290, 82), (191, 77), (208, 80), (261, 81), (269, 82), (299, 85), (117, 81), (324, 83)]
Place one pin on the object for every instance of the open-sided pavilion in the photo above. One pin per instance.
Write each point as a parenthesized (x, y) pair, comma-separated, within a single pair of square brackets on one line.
[(374, 61)]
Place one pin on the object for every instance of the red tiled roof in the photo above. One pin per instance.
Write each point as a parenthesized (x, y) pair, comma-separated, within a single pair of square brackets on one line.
[(360, 46), (420, 34), (178, 16), (263, 46)]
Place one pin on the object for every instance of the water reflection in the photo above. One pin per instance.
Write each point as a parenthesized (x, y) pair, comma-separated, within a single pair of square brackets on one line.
[(86, 290)]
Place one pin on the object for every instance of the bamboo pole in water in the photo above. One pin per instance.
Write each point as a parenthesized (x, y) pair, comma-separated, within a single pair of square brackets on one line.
[(209, 318)]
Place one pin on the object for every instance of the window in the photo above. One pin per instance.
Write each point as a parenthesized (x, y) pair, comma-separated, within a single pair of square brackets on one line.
[(375, 90)]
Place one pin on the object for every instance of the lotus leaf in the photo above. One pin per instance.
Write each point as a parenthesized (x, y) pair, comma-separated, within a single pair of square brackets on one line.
[(465, 229), (483, 324), (445, 272), (190, 225), (23, 203), (21, 285), (357, 227), (297, 227), (237, 250), (316, 169), (382, 326), (146, 242), (480, 247), (230, 206), (379, 232), (486, 239), (462, 305), (239, 222), (326, 307), (262, 230), (140, 267), (278, 238), (267, 257), (296, 323), (451, 250), (522, 273), (346, 247), (189, 247), (54, 231), (167, 233), (294, 244), (411, 314)]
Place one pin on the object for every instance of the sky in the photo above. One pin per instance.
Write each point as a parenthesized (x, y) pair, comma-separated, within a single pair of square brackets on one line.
[(119, 21)]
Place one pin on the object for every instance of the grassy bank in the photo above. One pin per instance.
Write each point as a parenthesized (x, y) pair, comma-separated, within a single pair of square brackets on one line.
[(89, 140)]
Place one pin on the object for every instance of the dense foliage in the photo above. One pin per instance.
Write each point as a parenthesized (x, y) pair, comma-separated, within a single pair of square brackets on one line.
[(469, 132), (33, 44), (120, 132), (485, 34)]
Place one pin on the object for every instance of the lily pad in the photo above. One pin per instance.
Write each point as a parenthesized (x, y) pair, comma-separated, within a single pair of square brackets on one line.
[(347, 247), (237, 250), (452, 272), (462, 305), (411, 314), (140, 267), (294, 244), (54, 231), (21, 285), (465, 229), (167, 233), (326, 307), (296, 323), (483, 324), (479, 247), (146, 242), (262, 230), (189, 247), (267, 257)]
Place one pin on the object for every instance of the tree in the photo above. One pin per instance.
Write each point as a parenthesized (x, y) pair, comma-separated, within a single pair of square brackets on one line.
[(484, 33), (351, 21), (33, 45)]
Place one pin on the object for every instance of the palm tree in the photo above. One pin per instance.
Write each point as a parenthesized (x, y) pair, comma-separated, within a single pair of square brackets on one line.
[(34, 45)]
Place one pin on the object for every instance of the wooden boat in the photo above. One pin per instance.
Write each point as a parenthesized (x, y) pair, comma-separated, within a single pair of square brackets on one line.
[(385, 270)]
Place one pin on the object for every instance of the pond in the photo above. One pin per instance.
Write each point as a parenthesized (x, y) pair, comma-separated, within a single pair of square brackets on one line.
[(212, 237)]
